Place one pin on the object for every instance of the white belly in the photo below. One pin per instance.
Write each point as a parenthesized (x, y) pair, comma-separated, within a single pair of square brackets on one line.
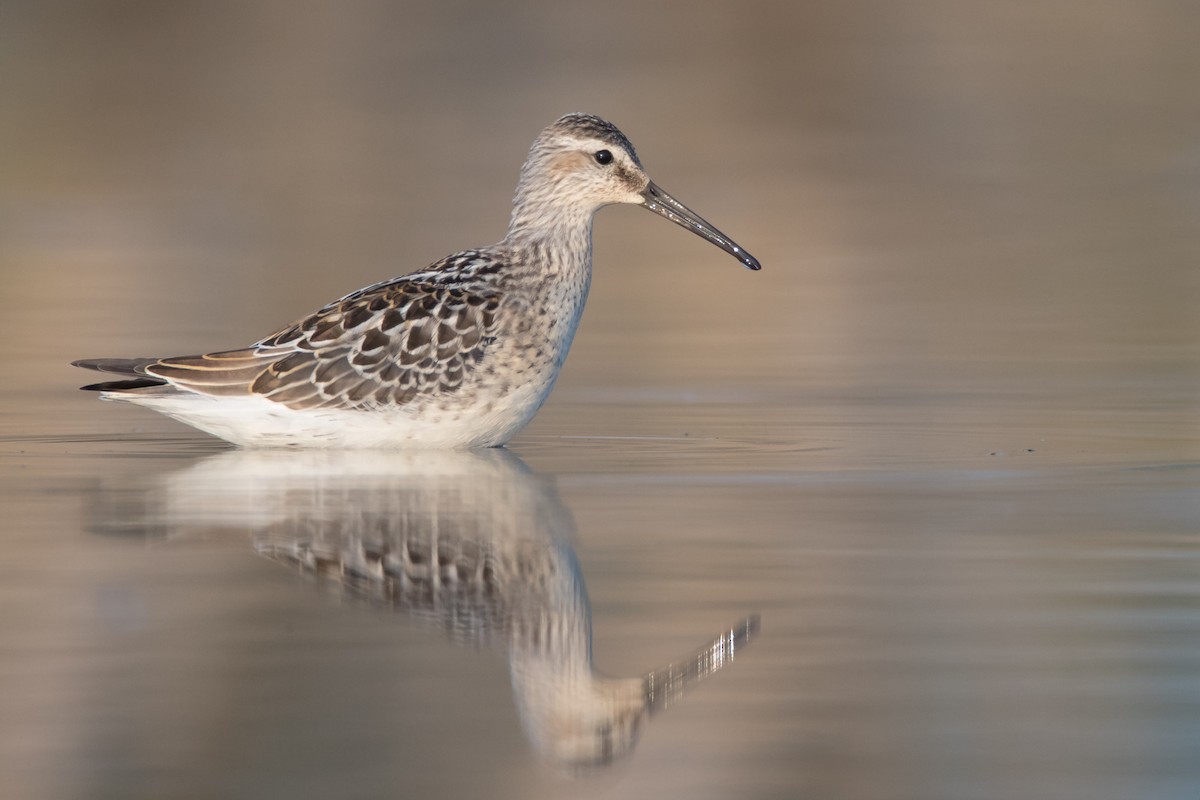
[(258, 422)]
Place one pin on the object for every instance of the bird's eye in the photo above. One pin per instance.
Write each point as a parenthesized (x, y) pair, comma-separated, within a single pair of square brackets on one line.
[(603, 157)]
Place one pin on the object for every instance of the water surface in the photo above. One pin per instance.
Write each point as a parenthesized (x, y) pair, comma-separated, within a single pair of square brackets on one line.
[(943, 448)]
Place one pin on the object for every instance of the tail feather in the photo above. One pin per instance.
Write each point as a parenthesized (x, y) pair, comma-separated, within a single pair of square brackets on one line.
[(133, 369), (216, 374), (117, 366)]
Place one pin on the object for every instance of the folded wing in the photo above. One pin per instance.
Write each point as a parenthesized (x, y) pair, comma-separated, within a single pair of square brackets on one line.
[(384, 346)]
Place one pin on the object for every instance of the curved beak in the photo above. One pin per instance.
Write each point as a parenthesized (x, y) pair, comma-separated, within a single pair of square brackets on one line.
[(663, 204)]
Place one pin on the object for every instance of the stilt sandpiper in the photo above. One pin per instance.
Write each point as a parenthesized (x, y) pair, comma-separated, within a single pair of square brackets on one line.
[(458, 355)]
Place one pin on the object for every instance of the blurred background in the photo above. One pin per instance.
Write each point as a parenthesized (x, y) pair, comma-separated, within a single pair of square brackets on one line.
[(999, 183), (946, 441)]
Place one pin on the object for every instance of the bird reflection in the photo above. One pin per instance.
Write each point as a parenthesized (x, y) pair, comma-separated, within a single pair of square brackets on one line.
[(473, 543)]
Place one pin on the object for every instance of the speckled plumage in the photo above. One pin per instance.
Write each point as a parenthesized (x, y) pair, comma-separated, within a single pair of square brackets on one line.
[(460, 354)]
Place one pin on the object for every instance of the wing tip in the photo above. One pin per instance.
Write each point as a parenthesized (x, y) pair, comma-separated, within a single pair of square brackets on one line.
[(122, 386)]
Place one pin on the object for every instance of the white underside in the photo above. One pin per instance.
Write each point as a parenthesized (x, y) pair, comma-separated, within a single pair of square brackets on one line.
[(258, 422)]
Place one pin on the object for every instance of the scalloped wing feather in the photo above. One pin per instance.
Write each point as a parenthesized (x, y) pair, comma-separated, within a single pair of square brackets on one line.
[(380, 347)]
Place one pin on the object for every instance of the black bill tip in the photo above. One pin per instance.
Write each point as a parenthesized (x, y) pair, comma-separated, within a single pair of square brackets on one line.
[(663, 204)]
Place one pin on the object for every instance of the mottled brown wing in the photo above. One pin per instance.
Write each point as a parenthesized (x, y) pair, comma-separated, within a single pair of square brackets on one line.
[(380, 347)]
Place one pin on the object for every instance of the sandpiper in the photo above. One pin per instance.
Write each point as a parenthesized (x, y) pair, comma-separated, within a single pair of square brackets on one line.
[(458, 355)]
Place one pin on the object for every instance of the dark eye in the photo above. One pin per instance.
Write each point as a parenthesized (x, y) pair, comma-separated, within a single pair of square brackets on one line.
[(602, 157)]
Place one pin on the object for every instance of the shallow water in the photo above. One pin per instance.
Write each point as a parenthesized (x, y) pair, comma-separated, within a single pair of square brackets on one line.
[(943, 450)]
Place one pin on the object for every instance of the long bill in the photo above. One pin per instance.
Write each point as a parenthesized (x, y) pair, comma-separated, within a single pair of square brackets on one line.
[(663, 204), (664, 687)]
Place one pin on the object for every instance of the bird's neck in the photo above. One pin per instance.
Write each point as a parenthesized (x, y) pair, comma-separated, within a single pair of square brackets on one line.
[(553, 244), (552, 261)]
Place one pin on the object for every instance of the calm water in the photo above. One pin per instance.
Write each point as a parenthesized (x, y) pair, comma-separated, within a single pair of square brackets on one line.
[(931, 479)]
